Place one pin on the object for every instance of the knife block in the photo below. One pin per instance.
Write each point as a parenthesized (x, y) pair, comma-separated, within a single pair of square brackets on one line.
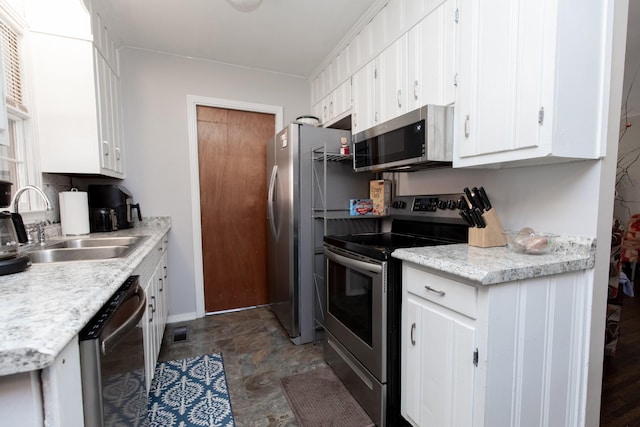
[(490, 236)]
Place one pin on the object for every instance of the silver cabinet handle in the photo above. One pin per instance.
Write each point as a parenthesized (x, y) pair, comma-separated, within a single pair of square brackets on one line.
[(415, 90), (399, 98), (413, 329), (436, 291), (467, 127), (161, 284)]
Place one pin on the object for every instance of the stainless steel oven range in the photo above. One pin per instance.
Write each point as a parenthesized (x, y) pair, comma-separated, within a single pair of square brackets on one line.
[(363, 308)]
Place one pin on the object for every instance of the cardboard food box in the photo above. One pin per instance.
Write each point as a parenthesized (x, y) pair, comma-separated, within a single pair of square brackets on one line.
[(360, 207), (380, 194)]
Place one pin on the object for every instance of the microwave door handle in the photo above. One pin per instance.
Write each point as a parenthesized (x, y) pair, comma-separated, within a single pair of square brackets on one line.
[(354, 263), (114, 338), (271, 201)]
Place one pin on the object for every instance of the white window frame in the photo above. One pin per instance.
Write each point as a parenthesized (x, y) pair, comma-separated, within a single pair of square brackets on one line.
[(26, 138)]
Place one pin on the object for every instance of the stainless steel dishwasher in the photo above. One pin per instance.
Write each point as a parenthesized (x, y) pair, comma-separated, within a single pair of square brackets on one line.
[(112, 361)]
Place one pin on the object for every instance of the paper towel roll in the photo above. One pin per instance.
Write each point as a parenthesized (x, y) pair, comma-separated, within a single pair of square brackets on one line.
[(74, 212)]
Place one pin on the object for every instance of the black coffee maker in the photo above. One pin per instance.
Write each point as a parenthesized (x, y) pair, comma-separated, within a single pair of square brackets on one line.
[(111, 208)]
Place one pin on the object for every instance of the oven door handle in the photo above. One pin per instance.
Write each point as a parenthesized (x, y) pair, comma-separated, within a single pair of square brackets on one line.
[(353, 263)]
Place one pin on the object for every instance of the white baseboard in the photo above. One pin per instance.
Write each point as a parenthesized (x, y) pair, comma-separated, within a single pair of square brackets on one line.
[(184, 317)]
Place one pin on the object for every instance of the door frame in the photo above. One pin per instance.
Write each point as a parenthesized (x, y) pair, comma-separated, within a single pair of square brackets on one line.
[(193, 101)]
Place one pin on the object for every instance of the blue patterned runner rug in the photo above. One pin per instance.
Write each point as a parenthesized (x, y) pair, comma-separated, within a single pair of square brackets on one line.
[(190, 392)]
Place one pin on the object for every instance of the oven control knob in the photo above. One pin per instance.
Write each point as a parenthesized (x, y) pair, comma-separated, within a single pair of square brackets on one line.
[(451, 204), (442, 204)]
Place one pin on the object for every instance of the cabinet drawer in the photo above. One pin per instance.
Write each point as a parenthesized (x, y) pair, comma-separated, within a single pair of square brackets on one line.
[(448, 293)]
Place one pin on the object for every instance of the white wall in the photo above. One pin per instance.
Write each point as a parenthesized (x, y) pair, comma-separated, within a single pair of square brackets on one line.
[(558, 198), (154, 94)]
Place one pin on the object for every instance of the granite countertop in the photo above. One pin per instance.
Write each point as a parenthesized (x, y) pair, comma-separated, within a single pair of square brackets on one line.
[(45, 306), (488, 266)]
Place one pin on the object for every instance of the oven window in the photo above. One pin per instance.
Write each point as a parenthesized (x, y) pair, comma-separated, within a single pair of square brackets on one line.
[(350, 300)]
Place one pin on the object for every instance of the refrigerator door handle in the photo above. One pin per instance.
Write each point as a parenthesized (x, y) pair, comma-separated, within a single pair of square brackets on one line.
[(271, 201)]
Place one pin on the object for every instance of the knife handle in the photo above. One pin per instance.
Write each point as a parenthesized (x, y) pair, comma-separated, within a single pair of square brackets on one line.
[(467, 192), (466, 215), (479, 220), (484, 198)]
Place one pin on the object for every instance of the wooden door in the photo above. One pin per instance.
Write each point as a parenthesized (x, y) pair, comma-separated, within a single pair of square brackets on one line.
[(232, 163)]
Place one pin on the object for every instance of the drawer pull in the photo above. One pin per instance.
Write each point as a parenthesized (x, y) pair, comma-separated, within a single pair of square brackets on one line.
[(413, 329), (429, 288)]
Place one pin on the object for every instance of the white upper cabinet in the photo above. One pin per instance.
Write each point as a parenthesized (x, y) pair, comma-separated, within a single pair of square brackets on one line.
[(391, 82), (334, 106), (431, 58), (362, 89), (418, 68), (530, 90), (76, 87)]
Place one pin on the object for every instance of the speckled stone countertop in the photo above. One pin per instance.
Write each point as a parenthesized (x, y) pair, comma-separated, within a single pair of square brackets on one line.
[(488, 266), (45, 306)]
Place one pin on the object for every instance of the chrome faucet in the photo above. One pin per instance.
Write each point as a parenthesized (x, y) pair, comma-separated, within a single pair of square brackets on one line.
[(47, 203)]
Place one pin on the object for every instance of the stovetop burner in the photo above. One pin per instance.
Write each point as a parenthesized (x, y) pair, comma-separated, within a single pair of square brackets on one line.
[(381, 245), (417, 221)]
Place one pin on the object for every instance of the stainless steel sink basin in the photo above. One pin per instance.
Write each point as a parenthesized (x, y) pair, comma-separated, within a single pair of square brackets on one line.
[(77, 254), (92, 242), (85, 249)]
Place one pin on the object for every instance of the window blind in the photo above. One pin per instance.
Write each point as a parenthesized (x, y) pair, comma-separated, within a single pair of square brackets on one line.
[(10, 45)]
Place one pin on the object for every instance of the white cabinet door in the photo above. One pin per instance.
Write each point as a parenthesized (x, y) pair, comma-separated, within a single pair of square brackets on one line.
[(431, 58), (438, 350), (148, 334), (529, 90), (159, 305), (391, 78), (411, 353), (336, 105), (77, 100), (154, 279), (447, 368), (363, 90), (164, 286), (500, 73)]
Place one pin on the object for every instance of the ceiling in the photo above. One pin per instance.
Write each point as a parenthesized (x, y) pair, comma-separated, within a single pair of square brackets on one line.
[(285, 36)]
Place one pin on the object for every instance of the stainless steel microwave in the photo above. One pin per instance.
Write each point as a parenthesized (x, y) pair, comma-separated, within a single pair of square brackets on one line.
[(416, 140)]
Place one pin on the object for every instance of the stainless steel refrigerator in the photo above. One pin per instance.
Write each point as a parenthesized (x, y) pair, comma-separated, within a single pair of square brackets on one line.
[(290, 225)]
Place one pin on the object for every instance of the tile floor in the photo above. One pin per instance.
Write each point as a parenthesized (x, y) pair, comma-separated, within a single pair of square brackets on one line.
[(256, 353)]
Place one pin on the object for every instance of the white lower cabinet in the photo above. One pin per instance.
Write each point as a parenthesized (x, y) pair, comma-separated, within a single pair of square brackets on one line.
[(438, 348), (508, 354), (48, 397), (153, 278)]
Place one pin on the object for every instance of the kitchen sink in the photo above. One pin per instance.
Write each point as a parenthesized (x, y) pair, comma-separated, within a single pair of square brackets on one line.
[(85, 249), (77, 254), (92, 242)]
